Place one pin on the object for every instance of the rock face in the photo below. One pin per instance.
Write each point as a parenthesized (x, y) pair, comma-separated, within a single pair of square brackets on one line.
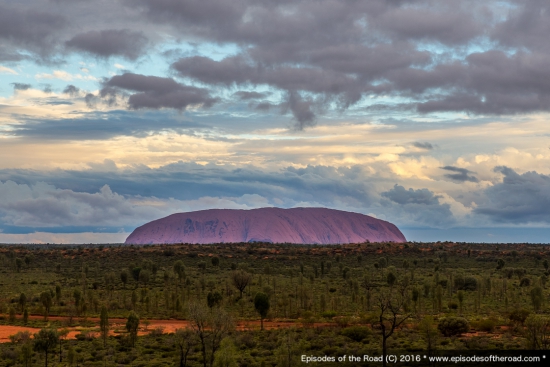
[(273, 225)]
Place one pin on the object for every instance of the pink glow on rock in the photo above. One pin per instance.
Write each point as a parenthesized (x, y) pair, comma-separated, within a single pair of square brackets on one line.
[(274, 225)]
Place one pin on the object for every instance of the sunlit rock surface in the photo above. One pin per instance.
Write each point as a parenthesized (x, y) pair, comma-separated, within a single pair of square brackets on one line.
[(274, 225)]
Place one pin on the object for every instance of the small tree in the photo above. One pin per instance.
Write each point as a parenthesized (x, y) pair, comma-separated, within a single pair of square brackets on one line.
[(124, 277), (11, 313), (213, 299), (429, 333), (179, 269), (22, 301), (225, 356), (26, 353), (460, 296), (518, 316), (210, 328), (391, 278), (184, 340), (25, 316), (391, 305), (71, 356), (261, 304), (414, 297), (202, 266), (46, 299), (135, 274), (240, 280), (215, 261), (537, 332), (537, 298), (58, 294), (287, 351), (104, 325), (134, 299), (18, 264), (132, 326), (63, 333), (144, 277), (77, 298), (45, 342)]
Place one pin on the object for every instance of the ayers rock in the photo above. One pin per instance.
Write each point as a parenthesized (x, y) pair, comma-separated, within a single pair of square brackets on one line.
[(273, 225)]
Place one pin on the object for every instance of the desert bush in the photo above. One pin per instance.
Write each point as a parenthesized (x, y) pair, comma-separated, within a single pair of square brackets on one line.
[(328, 314), (158, 331), (450, 326), (465, 283), (519, 315), (486, 325), (356, 333)]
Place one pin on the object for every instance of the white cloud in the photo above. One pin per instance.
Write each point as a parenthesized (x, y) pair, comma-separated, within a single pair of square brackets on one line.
[(63, 75), (6, 70)]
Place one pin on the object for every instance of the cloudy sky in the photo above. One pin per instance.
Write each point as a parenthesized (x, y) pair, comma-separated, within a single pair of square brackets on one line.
[(430, 114)]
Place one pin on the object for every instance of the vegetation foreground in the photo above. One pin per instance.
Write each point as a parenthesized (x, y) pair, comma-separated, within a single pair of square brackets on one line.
[(100, 305)]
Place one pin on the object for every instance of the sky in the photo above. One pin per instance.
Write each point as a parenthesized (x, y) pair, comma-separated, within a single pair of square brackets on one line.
[(432, 115)]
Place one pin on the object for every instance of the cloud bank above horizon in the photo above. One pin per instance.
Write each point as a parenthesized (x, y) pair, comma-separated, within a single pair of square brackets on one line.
[(429, 114)]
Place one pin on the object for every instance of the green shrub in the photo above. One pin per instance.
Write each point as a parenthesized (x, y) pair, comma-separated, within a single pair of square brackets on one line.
[(519, 315), (486, 325), (356, 333), (450, 326), (465, 283), (329, 314)]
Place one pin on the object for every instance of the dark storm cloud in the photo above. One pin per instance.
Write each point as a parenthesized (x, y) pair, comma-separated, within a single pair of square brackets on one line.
[(450, 25), (329, 54), (313, 184), (263, 106), (155, 92), (423, 145), (419, 206), (71, 90), (287, 52), (10, 56), (100, 126), (29, 28), (527, 25), (21, 86), (461, 175), (110, 42), (400, 195), (301, 109), (490, 82), (519, 198), (91, 100), (246, 95), (237, 70)]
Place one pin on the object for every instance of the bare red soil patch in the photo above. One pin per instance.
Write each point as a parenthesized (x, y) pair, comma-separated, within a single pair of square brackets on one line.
[(168, 326)]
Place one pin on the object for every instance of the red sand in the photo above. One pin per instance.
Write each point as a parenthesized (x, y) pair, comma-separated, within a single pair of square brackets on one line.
[(169, 326), (274, 225)]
